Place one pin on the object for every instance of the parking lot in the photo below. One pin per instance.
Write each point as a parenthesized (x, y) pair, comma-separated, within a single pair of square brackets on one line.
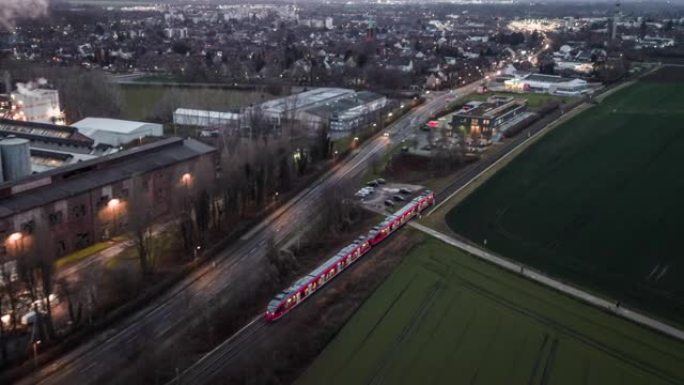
[(387, 197)]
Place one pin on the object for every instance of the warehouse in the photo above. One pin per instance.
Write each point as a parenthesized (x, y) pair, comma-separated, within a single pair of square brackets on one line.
[(52, 145), (348, 112), (204, 118), (116, 132), (86, 202), (550, 84)]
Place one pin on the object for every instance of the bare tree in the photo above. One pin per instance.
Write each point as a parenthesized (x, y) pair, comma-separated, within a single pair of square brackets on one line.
[(3, 343), (71, 293), (43, 260), (140, 220)]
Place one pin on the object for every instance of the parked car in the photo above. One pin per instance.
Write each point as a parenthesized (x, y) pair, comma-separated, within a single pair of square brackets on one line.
[(389, 203), (404, 191), (381, 181), (372, 183), (398, 198)]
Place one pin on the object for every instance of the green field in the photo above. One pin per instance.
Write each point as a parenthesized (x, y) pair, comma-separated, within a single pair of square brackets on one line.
[(444, 317), (143, 100), (599, 200)]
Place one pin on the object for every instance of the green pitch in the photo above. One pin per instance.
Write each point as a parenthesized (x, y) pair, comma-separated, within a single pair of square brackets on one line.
[(599, 201), (444, 317)]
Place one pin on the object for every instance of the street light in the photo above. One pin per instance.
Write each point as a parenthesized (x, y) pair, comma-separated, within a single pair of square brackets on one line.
[(15, 237), (186, 179), (113, 205)]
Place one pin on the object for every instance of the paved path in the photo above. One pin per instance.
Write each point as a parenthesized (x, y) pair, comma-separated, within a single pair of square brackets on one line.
[(537, 276)]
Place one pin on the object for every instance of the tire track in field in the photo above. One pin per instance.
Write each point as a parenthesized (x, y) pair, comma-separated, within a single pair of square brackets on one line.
[(465, 330), (550, 321), (548, 367), (378, 322), (540, 355), (574, 333), (409, 329)]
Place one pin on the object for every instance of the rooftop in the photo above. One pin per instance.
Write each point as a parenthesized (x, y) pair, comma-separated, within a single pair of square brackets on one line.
[(89, 125), (548, 78), (343, 104), (305, 99), (490, 110), (61, 183)]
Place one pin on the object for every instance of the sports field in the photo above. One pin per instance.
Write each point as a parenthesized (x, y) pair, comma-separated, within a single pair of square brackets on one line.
[(444, 317), (599, 201)]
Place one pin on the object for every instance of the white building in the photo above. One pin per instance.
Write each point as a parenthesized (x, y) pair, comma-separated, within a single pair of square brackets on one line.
[(548, 84), (35, 104), (579, 67), (290, 107), (116, 132), (203, 118), (348, 112)]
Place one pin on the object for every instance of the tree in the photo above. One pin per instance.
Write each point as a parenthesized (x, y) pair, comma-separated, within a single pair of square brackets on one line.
[(83, 93), (43, 260), (140, 220), (8, 271)]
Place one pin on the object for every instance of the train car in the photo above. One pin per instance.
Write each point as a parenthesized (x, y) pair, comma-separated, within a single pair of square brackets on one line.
[(307, 285), (399, 218)]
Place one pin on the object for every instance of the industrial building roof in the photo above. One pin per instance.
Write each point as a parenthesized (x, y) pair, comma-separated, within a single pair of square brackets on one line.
[(207, 114), (549, 78), (41, 189), (343, 104), (88, 126), (305, 99), (489, 110), (43, 131)]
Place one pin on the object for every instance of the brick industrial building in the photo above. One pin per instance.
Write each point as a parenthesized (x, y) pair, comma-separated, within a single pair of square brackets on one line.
[(86, 202)]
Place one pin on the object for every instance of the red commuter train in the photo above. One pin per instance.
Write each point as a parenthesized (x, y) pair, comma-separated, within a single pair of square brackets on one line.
[(304, 287)]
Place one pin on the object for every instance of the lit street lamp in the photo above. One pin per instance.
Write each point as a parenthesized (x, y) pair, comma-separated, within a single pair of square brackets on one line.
[(113, 205)]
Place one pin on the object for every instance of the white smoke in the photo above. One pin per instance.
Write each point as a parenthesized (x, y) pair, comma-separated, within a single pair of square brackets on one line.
[(11, 10)]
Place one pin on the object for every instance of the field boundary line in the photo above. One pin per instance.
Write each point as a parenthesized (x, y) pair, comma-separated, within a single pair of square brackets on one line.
[(609, 305)]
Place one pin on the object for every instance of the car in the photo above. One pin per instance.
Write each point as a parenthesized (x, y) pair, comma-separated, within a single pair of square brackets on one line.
[(389, 203), (381, 181), (404, 149), (398, 198), (386, 134), (372, 183), (404, 191)]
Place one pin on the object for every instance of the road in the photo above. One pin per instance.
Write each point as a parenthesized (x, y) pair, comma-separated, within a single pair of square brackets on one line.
[(108, 353)]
